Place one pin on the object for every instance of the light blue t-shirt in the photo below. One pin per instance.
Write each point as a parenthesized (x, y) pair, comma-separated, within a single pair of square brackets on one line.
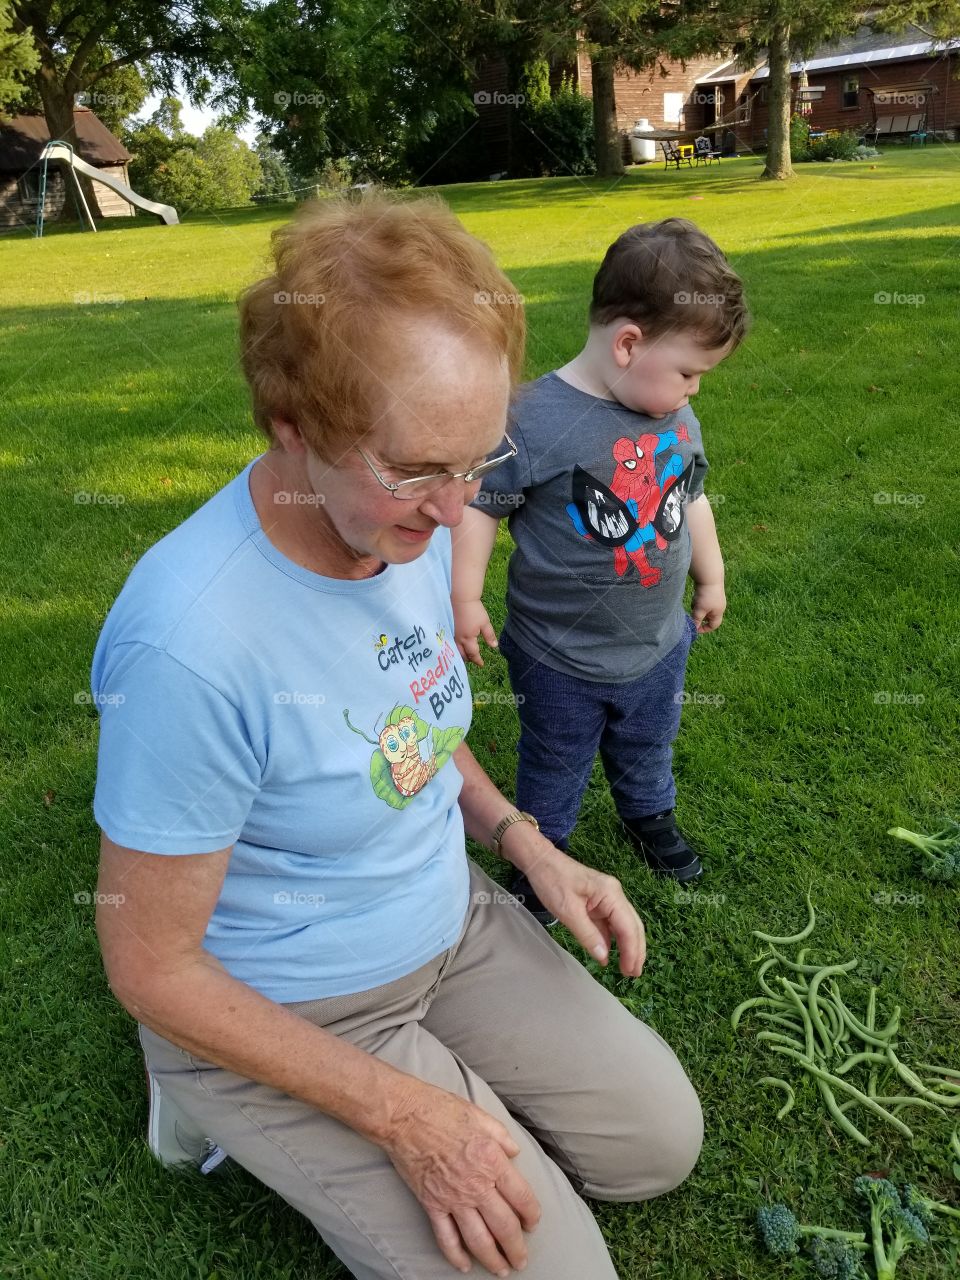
[(309, 723)]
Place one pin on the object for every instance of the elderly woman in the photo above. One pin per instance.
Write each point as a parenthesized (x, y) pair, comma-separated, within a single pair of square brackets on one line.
[(325, 985)]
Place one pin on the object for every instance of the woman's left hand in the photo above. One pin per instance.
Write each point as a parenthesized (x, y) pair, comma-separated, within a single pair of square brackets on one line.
[(591, 904)]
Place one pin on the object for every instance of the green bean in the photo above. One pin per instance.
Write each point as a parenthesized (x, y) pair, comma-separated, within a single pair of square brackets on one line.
[(846, 1125), (749, 1004), (804, 1016), (781, 1020), (898, 1103), (812, 969), (835, 1082), (860, 1030), (796, 937), (788, 1089), (952, 1076), (917, 1085), (767, 964), (826, 972), (868, 1056), (774, 1037), (873, 1079), (884, 1034)]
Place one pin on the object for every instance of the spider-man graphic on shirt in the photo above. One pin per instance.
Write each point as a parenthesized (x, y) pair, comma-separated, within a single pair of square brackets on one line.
[(640, 506)]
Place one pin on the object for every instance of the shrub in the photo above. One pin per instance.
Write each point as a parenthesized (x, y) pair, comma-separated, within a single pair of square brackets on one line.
[(555, 131), (834, 146), (799, 138)]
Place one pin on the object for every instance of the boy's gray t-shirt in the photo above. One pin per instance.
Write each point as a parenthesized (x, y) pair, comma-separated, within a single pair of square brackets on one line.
[(595, 500)]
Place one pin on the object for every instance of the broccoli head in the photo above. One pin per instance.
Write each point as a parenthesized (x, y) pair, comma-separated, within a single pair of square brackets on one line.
[(941, 852), (834, 1259), (779, 1228)]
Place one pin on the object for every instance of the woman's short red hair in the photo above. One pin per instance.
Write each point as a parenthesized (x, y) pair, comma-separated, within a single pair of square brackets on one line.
[(349, 271)]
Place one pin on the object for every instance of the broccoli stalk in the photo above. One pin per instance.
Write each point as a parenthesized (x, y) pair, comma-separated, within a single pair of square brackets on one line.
[(893, 1229), (924, 1207), (781, 1231), (941, 852)]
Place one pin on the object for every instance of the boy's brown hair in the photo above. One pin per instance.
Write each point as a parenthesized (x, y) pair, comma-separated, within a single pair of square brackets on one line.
[(667, 276), (319, 334)]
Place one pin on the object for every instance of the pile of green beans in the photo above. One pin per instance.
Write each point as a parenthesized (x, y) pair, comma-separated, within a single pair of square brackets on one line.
[(811, 1023)]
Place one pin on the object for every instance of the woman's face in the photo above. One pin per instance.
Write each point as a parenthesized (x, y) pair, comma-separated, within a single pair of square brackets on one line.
[(445, 409)]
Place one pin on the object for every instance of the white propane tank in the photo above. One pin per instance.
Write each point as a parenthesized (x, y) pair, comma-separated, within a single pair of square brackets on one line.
[(641, 148)]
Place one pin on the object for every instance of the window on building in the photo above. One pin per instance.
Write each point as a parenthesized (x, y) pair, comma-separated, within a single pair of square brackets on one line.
[(673, 108), (764, 97), (29, 185), (851, 91)]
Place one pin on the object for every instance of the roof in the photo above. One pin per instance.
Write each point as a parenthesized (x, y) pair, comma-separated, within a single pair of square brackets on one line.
[(22, 139), (867, 47), (729, 70)]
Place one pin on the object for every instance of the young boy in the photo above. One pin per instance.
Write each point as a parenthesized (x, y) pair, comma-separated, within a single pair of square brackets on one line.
[(605, 503)]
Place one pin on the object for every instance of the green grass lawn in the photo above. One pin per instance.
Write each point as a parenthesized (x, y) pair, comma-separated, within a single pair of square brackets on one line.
[(827, 707)]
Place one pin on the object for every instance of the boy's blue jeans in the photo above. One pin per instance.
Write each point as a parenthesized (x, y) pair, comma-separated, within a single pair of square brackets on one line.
[(564, 721)]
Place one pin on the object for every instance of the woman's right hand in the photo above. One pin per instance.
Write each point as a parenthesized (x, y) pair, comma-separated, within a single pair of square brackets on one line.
[(470, 620), (456, 1159)]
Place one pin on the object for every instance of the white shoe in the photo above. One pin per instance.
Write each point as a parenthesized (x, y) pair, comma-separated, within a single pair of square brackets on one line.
[(173, 1138)]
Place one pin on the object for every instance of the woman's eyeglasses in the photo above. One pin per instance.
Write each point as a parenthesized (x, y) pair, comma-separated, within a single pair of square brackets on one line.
[(424, 486)]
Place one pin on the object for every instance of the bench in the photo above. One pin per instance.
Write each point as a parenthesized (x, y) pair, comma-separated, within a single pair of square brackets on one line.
[(676, 154), (887, 126)]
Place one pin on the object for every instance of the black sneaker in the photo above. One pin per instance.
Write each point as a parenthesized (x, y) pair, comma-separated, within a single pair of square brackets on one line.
[(663, 847), (522, 890)]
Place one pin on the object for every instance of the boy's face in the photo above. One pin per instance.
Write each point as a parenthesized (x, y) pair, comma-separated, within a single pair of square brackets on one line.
[(658, 376)]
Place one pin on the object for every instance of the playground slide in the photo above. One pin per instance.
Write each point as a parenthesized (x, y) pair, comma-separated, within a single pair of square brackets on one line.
[(59, 151)]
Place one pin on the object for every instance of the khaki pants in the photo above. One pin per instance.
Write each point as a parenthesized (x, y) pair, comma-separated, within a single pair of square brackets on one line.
[(596, 1100)]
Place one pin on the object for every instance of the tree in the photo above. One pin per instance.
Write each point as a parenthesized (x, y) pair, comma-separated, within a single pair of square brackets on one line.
[(84, 43), (276, 182), (790, 30), (616, 35), (215, 171), (18, 59), (366, 81)]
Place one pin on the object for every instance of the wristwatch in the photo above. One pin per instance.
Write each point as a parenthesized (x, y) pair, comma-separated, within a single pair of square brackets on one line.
[(516, 816)]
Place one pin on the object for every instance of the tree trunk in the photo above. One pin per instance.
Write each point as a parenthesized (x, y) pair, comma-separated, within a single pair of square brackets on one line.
[(58, 103), (606, 133), (778, 127)]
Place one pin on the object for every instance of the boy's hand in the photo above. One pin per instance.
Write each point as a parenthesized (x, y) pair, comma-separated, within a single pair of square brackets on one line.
[(470, 620), (709, 605)]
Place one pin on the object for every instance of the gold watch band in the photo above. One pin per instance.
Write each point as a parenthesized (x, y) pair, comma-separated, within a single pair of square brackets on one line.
[(516, 816)]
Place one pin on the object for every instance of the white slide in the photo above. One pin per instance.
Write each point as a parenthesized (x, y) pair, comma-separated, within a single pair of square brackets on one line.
[(60, 151)]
